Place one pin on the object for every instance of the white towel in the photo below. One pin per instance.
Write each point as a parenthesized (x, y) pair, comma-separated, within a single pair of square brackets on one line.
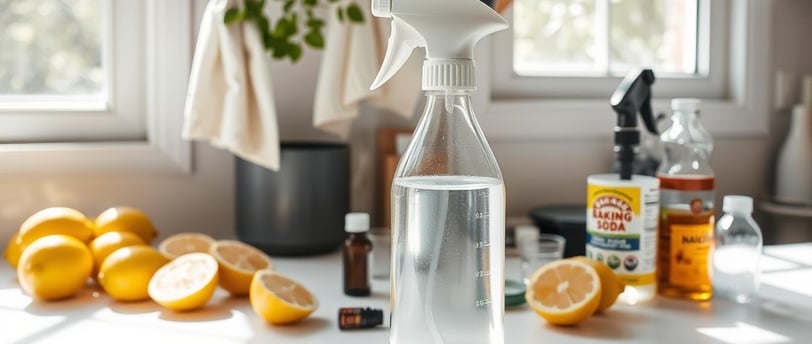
[(352, 56), (230, 97)]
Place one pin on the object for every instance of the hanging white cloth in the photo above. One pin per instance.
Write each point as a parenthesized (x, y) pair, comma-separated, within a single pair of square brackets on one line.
[(352, 56), (230, 97)]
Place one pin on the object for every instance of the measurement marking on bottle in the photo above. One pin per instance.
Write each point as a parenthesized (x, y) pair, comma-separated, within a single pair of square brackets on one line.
[(482, 244), (482, 215), (483, 273), (482, 303)]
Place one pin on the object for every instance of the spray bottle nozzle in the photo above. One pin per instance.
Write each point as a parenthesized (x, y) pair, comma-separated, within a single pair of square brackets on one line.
[(448, 29), (633, 95)]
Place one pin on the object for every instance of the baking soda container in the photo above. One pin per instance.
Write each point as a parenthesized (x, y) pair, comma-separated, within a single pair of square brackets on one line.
[(622, 230)]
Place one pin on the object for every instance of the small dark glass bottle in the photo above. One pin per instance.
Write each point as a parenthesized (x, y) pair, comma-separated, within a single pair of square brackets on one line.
[(357, 318), (356, 255)]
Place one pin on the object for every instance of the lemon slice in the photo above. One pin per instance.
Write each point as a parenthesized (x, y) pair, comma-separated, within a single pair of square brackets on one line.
[(280, 300), (126, 219), (56, 220), (564, 292), (238, 263), (54, 267), (186, 283), (183, 243)]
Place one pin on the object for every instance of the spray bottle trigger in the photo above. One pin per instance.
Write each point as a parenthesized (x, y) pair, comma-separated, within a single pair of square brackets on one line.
[(402, 41), (648, 116)]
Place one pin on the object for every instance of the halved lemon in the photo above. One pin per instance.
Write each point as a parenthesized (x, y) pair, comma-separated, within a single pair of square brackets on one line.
[(280, 300), (55, 220), (186, 283), (183, 243), (238, 263), (611, 285), (564, 292)]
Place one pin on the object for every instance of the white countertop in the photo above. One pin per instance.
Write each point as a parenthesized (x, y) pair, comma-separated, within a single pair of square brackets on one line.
[(92, 317)]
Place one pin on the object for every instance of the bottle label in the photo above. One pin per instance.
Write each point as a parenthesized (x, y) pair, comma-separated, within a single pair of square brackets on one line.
[(622, 230), (690, 248)]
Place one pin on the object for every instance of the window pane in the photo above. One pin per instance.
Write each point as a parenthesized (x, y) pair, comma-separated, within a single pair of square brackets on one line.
[(554, 35), (660, 34), (604, 37), (51, 47)]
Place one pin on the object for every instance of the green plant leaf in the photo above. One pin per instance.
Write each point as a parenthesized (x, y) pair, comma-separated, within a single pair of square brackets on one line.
[(314, 39), (253, 9), (295, 52), (233, 15), (288, 6), (355, 14), (315, 24), (340, 14), (310, 3)]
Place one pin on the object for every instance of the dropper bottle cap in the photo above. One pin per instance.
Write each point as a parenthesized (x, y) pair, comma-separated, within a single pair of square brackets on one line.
[(356, 223)]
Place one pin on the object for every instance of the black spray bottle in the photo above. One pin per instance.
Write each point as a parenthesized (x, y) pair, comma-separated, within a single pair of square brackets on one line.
[(622, 207)]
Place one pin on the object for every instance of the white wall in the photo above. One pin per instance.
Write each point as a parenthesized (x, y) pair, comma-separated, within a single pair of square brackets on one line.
[(536, 172)]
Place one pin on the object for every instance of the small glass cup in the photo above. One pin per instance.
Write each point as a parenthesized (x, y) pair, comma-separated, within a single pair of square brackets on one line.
[(535, 253), (381, 249)]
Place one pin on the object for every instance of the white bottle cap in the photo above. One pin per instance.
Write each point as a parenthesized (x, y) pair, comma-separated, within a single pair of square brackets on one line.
[(526, 233), (737, 204), (686, 104), (449, 74), (356, 223)]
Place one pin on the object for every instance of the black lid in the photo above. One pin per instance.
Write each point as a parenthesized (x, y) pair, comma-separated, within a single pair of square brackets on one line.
[(631, 96)]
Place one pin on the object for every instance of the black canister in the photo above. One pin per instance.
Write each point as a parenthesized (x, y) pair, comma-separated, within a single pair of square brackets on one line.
[(300, 209)]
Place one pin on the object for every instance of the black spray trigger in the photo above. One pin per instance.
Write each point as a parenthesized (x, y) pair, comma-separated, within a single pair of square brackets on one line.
[(648, 116), (633, 95)]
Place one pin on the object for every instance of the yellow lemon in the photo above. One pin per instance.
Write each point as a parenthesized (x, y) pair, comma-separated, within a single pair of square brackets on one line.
[(56, 220), (280, 300), (564, 292), (13, 251), (238, 263), (126, 219), (54, 267), (107, 243), (611, 285), (185, 283), (126, 272), (183, 243)]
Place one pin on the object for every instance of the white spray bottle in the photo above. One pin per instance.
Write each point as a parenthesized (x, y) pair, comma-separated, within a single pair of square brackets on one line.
[(448, 198)]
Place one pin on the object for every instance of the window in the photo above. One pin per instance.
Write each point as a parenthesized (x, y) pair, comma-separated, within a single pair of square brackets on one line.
[(71, 70), (605, 37), (94, 86), (52, 52), (529, 101), (582, 48)]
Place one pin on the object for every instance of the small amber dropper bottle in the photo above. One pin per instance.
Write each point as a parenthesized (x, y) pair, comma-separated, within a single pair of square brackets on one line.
[(356, 255)]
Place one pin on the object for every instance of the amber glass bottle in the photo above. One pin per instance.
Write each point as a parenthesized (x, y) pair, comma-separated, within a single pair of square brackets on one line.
[(685, 241), (356, 255)]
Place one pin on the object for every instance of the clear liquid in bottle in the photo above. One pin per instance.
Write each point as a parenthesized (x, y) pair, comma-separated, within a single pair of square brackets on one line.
[(449, 286)]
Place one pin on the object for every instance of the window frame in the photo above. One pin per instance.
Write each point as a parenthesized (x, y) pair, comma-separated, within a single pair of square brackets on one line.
[(119, 115), (741, 111), (165, 57)]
